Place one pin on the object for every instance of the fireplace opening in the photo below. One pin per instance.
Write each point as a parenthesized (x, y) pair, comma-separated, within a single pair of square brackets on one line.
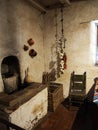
[(10, 71)]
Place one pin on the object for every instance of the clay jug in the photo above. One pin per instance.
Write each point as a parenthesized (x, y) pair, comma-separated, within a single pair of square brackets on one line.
[(28, 77)]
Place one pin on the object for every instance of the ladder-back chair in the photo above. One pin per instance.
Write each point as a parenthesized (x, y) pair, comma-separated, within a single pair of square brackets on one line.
[(77, 90)]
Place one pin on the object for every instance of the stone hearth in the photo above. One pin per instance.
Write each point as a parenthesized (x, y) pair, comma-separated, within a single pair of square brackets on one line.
[(25, 107)]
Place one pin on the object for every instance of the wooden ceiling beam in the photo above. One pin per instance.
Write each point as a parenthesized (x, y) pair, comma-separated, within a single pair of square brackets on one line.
[(65, 1), (77, 0), (38, 6), (61, 3), (55, 6)]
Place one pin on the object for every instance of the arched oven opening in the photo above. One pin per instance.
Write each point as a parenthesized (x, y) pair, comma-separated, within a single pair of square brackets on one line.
[(10, 71)]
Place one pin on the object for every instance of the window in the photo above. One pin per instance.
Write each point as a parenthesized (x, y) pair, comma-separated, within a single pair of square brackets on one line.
[(96, 63), (94, 42)]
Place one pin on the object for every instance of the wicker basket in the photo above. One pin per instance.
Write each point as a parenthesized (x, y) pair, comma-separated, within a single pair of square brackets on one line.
[(55, 96)]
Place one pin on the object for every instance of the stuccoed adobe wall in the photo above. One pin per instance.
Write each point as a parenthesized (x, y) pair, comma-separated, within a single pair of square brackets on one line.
[(77, 29), (28, 114), (19, 21)]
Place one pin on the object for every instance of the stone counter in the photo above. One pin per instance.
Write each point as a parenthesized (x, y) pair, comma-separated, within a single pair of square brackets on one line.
[(25, 107)]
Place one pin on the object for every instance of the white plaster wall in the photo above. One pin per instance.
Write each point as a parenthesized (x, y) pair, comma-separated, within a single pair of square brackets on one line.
[(27, 115), (77, 29), (19, 21)]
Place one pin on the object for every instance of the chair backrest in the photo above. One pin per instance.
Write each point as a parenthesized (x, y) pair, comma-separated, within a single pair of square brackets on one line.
[(78, 81)]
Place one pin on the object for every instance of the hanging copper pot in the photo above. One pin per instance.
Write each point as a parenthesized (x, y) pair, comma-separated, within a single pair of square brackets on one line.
[(30, 42), (32, 53)]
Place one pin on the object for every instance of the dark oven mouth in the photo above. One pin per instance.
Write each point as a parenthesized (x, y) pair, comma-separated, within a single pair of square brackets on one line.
[(10, 70)]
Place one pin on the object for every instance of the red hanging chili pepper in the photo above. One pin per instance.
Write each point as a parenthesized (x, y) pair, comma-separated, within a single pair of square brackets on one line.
[(65, 60)]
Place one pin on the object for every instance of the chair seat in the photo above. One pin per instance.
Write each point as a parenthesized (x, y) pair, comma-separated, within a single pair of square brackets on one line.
[(77, 92)]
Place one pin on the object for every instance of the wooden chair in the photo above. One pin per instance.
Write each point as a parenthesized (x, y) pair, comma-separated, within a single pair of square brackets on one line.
[(77, 90)]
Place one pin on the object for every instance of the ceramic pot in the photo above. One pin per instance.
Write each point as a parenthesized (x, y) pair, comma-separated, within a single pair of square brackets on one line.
[(28, 77), (32, 53), (30, 42), (25, 48)]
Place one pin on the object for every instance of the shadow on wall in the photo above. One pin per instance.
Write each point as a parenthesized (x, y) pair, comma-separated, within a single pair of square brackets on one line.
[(53, 75), (55, 68)]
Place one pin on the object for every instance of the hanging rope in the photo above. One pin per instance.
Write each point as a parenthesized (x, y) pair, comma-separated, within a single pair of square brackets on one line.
[(56, 26), (62, 30), (63, 39), (60, 45)]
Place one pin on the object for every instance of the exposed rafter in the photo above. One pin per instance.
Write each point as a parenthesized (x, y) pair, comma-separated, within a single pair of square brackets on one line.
[(65, 1), (55, 6), (77, 0), (44, 5), (38, 6), (59, 4)]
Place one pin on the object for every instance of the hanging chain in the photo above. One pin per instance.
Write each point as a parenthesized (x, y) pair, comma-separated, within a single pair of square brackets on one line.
[(62, 30), (63, 40), (60, 45), (56, 40), (56, 26)]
